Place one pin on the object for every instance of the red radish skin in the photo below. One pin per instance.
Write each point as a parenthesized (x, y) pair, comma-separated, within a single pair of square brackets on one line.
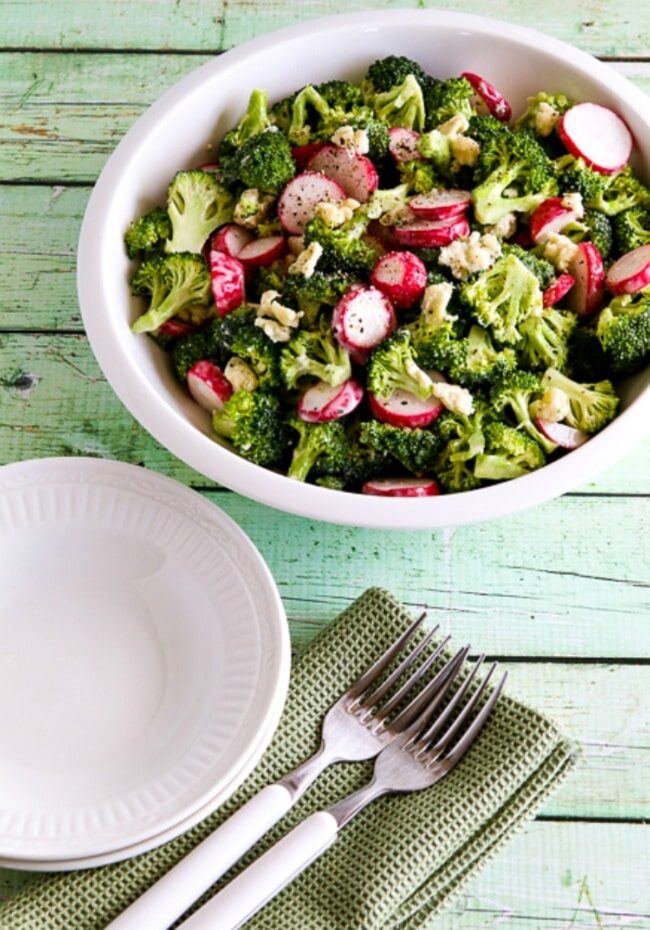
[(303, 153), (405, 409), (262, 252), (231, 239), (597, 135), (566, 437), (321, 402), (355, 173), (551, 216), (300, 197), (631, 273), (401, 276), (493, 99), (228, 282), (208, 385), (440, 204), (209, 166), (559, 289), (432, 234), (586, 295), (402, 487), (403, 144), (363, 318), (175, 329)]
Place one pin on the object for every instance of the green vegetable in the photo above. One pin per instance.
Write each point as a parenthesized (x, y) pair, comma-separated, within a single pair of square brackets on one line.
[(530, 118), (595, 227), (255, 120), (586, 360), (623, 330), (388, 72), (326, 442), (478, 364), (515, 392), (148, 232), (321, 289), (632, 229), (263, 162), (542, 269), (508, 454), (444, 99), (175, 284), (193, 348), (502, 297), (254, 424), (401, 105), (315, 354), (197, 204), (463, 438), (545, 342), (414, 449), (344, 251), (593, 406), (393, 367), (609, 193)]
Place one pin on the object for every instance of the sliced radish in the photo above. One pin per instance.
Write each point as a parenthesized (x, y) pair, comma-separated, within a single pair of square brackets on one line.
[(402, 487), (403, 144), (228, 287), (405, 409), (363, 318), (440, 204), (432, 234), (551, 216), (261, 252), (401, 276), (322, 402), (302, 153), (493, 99), (566, 437), (208, 385), (597, 135), (559, 289), (231, 239), (586, 267), (631, 273), (175, 329), (355, 173), (300, 197)]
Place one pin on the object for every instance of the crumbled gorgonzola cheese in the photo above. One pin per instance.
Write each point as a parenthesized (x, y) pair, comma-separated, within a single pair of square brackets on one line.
[(546, 119), (455, 398), (574, 202), (560, 251), (305, 263), (252, 207), (553, 406), (356, 140), (435, 301), (465, 151), (465, 256), (241, 376), (455, 126), (505, 228), (276, 320), (335, 214)]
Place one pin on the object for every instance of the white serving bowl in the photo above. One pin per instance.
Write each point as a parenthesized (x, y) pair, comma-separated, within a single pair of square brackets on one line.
[(175, 133)]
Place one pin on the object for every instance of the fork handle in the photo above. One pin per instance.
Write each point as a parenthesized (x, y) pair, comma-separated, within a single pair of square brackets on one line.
[(178, 889), (267, 876)]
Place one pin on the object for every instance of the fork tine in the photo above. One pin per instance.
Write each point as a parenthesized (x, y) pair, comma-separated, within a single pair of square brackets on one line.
[(372, 700), (445, 741), (456, 753), (437, 725), (415, 714), (371, 674), (393, 703)]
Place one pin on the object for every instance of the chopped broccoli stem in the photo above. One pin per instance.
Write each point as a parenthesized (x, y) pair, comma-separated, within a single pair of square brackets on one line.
[(174, 284), (317, 441)]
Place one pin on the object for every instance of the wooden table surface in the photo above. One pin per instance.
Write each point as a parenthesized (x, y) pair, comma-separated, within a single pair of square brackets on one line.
[(559, 593)]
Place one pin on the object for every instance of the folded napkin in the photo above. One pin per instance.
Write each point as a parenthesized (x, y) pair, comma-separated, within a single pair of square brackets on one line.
[(399, 863)]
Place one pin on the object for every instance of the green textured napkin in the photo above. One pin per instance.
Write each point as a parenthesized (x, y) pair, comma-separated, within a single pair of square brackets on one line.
[(400, 862)]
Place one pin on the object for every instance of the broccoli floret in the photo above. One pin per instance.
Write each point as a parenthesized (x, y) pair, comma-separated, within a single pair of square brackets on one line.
[(263, 162), (543, 112), (252, 345), (502, 297), (393, 367), (516, 392), (252, 421), (478, 363), (344, 251), (444, 99), (609, 193), (317, 441), (197, 204), (420, 176), (255, 120), (587, 361), (415, 449), (542, 269), (270, 278), (148, 232), (340, 95), (401, 105), (464, 439), (623, 330), (388, 72), (193, 348), (174, 283), (308, 109), (545, 342), (314, 354), (592, 406), (594, 226), (435, 333), (359, 464), (509, 453), (632, 229), (511, 162), (311, 294)]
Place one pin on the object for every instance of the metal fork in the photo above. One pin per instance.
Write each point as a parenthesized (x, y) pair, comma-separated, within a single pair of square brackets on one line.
[(420, 756), (358, 726)]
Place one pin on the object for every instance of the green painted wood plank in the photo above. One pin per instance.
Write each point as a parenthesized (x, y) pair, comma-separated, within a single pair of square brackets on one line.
[(553, 876), (599, 26), (62, 115), (552, 590)]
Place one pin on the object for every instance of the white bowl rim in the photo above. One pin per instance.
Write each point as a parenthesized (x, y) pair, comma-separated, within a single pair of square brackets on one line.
[(196, 449)]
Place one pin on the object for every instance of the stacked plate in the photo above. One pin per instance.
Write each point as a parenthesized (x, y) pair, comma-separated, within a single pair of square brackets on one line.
[(144, 661)]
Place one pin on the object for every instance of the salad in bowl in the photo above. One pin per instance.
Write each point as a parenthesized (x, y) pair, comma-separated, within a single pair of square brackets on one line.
[(399, 287)]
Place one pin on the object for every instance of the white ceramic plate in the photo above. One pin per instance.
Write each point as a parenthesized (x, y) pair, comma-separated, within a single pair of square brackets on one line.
[(144, 651), (173, 134)]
